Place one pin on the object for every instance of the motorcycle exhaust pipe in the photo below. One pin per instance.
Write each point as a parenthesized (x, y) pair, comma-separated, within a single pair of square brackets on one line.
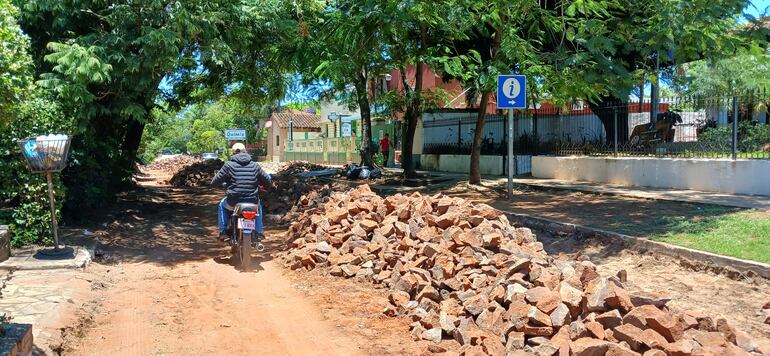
[(260, 247)]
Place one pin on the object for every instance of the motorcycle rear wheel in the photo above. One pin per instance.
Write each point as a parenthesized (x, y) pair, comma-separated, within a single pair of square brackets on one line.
[(244, 251)]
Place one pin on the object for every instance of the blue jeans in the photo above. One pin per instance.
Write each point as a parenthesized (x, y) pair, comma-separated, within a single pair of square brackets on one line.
[(225, 213)]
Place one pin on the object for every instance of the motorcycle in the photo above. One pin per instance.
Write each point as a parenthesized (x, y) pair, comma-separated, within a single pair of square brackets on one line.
[(243, 235)]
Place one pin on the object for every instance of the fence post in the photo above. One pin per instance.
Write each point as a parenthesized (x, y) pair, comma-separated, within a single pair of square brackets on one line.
[(459, 132), (735, 128), (505, 143), (615, 131)]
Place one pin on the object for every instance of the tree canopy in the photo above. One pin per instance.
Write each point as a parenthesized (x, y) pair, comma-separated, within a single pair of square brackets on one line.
[(106, 62), (116, 66), (15, 63)]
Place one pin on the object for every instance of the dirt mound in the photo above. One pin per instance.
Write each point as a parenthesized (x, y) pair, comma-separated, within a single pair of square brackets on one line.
[(173, 163), (198, 174), (460, 271)]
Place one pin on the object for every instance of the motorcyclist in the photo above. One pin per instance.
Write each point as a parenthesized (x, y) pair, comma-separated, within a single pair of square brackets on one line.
[(242, 176)]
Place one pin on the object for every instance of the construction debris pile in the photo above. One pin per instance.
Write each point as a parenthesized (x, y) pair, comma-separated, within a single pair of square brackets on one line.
[(460, 271), (173, 163), (293, 167), (198, 174), (288, 188)]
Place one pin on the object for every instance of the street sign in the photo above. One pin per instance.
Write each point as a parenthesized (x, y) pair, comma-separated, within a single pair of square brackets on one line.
[(347, 129), (235, 135), (511, 92)]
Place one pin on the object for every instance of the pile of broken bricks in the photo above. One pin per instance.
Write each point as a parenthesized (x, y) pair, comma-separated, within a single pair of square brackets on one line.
[(460, 271)]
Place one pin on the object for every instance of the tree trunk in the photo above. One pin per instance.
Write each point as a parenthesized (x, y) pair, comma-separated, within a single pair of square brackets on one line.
[(407, 161), (412, 115), (605, 110), (133, 138), (478, 134), (362, 97)]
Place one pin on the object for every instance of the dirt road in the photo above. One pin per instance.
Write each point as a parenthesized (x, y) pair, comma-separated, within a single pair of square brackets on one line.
[(163, 286), (171, 290), (209, 307)]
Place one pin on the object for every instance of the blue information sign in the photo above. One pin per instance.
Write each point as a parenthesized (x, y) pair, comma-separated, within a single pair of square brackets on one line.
[(511, 92)]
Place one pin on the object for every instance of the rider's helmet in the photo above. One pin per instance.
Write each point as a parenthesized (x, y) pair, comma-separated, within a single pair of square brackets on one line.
[(237, 148)]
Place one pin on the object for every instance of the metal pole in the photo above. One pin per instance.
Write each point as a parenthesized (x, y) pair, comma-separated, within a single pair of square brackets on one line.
[(53, 211), (655, 92), (735, 128), (510, 153), (615, 131)]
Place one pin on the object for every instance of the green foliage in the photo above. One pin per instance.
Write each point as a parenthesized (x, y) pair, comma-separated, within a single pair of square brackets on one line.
[(751, 137), (743, 73), (200, 128), (24, 204), (304, 105), (379, 159), (167, 133), (15, 63), (75, 68), (105, 61)]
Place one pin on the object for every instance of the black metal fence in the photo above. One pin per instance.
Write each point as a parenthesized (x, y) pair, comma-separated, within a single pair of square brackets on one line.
[(717, 127)]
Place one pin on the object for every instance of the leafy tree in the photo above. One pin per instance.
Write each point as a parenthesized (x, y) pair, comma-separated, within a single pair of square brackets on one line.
[(348, 52), (512, 37), (167, 131), (743, 73), (413, 32), (199, 128), (632, 38), (105, 60), (15, 63), (592, 50)]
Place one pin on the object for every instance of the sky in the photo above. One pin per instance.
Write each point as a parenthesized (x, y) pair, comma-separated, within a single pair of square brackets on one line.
[(758, 7)]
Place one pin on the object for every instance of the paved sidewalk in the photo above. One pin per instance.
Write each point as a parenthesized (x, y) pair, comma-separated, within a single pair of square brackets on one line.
[(35, 289), (690, 196), (30, 259)]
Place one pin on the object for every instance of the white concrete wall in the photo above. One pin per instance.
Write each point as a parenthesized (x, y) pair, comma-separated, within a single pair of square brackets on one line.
[(714, 175), (490, 165)]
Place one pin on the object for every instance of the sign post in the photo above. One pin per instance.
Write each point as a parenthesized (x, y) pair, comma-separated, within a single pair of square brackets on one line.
[(511, 94)]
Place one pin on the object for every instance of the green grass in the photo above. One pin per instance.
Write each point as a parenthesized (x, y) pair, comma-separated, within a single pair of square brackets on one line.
[(743, 234)]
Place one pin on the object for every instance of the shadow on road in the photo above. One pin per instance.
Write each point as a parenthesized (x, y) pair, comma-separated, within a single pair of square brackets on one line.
[(162, 225), (274, 242)]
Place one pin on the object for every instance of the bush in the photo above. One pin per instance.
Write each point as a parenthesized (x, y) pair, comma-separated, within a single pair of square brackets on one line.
[(752, 137), (24, 205)]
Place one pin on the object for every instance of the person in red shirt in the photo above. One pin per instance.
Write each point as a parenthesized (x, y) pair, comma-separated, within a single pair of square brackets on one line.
[(385, 148)]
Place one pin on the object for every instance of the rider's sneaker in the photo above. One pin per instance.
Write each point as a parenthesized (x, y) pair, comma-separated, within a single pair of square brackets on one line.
[(223, 237)]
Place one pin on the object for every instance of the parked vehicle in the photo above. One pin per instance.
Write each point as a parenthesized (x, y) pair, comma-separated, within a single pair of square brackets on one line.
[(209, 155)]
